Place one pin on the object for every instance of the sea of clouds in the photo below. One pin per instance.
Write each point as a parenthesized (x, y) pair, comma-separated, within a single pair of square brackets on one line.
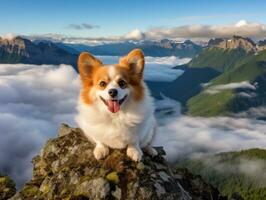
[(156, 68), (254, 169), (35, 99), (184, 136)]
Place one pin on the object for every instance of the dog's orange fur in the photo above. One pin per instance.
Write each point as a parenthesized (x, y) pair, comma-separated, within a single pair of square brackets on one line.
[(124, 121), (92, 71)]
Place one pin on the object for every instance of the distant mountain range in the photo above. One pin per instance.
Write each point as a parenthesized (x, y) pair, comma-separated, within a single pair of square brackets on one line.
[(228, 76), (225, 63), (150, 48), (22, 50)]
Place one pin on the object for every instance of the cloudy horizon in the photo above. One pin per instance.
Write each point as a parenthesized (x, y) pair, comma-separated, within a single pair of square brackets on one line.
[(195, 32), (108, 21)]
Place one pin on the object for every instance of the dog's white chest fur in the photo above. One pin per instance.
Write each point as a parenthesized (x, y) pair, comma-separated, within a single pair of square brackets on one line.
[(134, 124), (115, 108)]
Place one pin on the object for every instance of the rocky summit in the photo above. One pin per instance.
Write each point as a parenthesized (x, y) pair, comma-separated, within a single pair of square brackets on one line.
[(67, 169), (233, 43)]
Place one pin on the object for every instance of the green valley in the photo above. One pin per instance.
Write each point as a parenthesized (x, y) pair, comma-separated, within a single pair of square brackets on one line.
[(248, 68)]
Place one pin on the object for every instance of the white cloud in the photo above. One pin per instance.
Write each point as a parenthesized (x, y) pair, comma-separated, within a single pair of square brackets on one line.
[(241, 23), (168, 60), (258, 112), (247, 95), (8, 36), (135, 35), (252, 168), (161, 68), (83, 26), (184, 136), (243, 28), (156, 68), (197, 32), (34, 101), (217, 88)]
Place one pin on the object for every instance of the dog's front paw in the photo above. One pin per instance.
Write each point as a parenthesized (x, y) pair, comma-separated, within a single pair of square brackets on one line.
[(100, 151), (134, 153)]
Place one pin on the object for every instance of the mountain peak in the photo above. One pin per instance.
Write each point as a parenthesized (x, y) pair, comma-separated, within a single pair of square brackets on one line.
[(21, 50), (233, 43), (261, 45), (188, 42), (15, 45), (67, 169)]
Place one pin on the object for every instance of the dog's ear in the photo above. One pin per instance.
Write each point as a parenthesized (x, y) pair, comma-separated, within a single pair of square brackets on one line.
[(134, 61), (87, 64)]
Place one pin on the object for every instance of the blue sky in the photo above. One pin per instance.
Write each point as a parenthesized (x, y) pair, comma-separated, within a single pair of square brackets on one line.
[(113, 17)]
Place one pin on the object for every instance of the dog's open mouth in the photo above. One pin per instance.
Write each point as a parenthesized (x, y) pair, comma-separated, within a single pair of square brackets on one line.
[(113, 104)]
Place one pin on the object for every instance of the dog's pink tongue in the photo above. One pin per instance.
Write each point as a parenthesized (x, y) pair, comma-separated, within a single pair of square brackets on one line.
[(113, 106)]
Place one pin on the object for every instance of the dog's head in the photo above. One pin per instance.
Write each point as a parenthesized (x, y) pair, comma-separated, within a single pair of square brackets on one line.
[(111, 86)]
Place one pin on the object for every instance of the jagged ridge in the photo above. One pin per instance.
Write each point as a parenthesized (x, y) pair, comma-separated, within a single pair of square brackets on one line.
[(21, 50)]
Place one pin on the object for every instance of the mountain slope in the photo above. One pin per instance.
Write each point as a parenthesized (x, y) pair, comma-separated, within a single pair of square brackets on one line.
[(218, 58), (240, 63), (185, 86), (223, 54), (233, 100), (242, 172), (20, 50)]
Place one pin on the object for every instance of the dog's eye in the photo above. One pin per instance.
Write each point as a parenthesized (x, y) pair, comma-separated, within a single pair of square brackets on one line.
[(102, 84), (122, 83)]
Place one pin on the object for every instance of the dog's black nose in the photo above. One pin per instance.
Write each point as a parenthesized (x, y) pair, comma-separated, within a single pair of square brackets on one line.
[(112, 92)]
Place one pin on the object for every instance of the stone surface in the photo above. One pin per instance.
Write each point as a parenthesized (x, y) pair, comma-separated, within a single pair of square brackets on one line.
[(261, 45), (66, 169), (233, 43)]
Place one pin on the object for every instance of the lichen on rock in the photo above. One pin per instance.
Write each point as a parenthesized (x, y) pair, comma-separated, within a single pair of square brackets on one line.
[(66, 169), (7, 187)]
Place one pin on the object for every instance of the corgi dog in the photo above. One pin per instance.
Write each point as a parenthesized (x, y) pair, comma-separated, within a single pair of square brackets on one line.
[(115, 109)]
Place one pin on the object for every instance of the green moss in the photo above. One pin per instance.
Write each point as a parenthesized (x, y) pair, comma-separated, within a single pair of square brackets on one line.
[(140, 166), (7, 187), (2, 180), (30, 191), (113, 177), (85, 178), (45, 188), (5, 180)]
